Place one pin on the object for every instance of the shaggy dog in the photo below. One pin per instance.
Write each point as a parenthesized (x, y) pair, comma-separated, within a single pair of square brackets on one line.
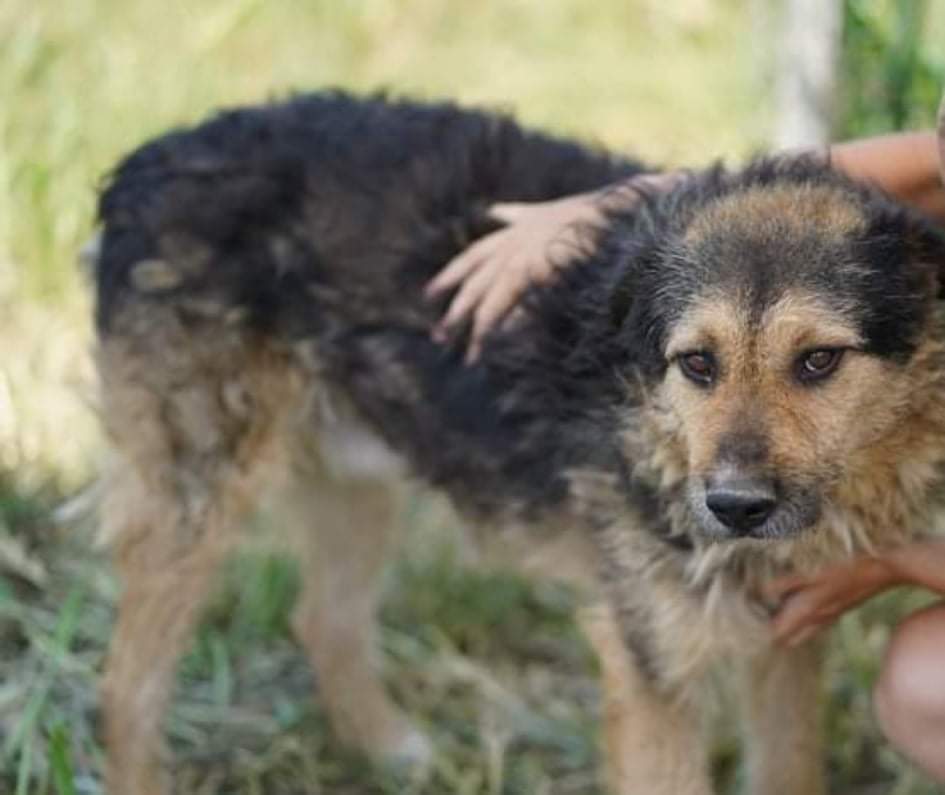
[(742, 377)]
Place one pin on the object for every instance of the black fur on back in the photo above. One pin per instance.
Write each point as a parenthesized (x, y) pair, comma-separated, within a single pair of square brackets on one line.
[(322, 217), (362, 194)]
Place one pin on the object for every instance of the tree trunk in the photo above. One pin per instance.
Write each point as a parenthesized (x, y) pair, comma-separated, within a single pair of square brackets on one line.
[(807, 72)]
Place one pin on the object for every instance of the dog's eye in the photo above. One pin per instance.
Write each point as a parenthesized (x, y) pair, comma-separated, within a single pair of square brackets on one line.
[(818, 364), (698, 366)]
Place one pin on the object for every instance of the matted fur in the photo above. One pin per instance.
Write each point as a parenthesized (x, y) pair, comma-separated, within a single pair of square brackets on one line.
[(262, 328)]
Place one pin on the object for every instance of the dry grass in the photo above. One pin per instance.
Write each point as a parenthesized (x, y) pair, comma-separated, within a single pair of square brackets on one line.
[(490, 664)]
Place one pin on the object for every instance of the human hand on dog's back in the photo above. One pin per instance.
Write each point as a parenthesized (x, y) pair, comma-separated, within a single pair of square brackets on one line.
[(492, 274)]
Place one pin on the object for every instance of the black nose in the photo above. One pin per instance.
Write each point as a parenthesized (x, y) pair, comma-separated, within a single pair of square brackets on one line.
[(741, 508)]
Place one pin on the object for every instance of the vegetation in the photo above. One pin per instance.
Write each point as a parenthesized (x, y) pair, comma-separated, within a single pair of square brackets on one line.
[(892, 74), (491, 664)]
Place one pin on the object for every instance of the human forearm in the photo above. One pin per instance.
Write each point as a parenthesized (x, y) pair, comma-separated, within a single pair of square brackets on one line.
[(904, 164), (921, 564)]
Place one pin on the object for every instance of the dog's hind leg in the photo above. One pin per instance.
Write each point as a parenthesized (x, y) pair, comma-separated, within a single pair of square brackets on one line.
[(653, 744), (193, 434), (781, 705), (158, 609), (345, 520)]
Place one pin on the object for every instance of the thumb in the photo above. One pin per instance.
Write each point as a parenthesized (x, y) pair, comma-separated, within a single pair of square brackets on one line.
[(509, 212)]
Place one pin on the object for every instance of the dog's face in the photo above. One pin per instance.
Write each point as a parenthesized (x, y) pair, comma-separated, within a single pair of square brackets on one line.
[(787, 319), (773, 407)]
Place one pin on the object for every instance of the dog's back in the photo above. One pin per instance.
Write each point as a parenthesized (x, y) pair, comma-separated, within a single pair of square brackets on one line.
[(312, 226)]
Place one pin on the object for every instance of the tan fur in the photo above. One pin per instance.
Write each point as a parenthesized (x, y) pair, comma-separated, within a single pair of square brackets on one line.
[(852, 432), (792, 209), (810, 430), (653, 746), (345, 531), (196, 438), (782, 721)]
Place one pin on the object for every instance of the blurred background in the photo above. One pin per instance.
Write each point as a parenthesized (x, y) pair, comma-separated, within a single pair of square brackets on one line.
[(490, 664)]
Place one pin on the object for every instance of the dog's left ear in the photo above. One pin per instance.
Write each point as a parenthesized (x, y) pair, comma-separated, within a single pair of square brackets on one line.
[(926, 242), (903, 238)]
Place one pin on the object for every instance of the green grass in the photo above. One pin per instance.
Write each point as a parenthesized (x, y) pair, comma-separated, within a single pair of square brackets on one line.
[(490, 664)]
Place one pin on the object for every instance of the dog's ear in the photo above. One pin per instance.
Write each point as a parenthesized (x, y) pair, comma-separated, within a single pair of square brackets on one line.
[(927, 244), (904, 245), (925, 248)]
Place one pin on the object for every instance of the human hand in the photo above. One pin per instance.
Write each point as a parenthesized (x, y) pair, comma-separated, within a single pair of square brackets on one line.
[(494, 272), (808, 604)]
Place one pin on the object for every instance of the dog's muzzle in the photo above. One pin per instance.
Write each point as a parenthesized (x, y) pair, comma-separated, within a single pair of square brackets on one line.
[(741, 505)]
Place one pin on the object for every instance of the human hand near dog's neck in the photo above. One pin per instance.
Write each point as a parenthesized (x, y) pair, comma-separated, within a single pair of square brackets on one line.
[(808, 604)]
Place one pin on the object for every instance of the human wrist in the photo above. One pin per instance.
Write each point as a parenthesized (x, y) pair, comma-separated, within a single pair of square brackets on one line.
[(628, 194), (582, 208)]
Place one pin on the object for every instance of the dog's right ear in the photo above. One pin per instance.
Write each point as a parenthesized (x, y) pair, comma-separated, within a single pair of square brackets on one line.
[(925, 242)]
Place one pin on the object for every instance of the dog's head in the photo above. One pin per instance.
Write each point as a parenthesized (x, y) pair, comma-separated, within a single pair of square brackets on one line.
[(777, 322)]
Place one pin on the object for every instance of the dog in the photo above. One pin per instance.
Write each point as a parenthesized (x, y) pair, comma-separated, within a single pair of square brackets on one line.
[(738, 378)]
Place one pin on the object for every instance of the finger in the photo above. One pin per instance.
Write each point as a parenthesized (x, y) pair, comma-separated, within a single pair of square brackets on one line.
[(494, 306), (784, 626), (805, 635), (466, 300), (796, 613), (512, 319), (473, 352), (461, 266), (459, 309), (509, 212)]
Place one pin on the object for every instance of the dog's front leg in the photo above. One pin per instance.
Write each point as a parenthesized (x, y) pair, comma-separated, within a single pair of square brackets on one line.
[(782, 722), (653, 744)]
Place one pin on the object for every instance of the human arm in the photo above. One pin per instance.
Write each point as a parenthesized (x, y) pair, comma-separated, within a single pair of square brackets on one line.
[(810, 603), (491, 275), (906, 165)]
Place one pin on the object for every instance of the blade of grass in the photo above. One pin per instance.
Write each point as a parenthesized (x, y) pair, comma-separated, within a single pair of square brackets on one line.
[(60, 760)]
